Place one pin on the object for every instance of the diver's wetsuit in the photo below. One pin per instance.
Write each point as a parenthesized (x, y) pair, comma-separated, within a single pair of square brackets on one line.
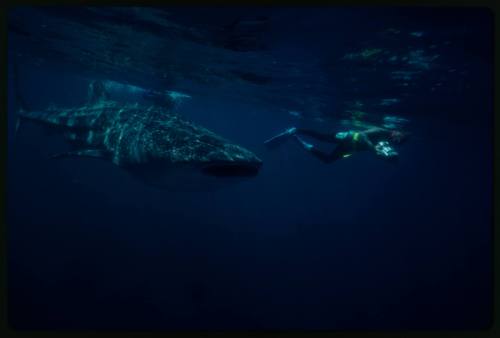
[(354, 141)]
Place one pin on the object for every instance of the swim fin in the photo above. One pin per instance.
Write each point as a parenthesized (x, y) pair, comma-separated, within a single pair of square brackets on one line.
[(307, 146), (280, 138)]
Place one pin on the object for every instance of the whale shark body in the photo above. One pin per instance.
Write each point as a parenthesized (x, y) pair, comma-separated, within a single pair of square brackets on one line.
[(150, 142)]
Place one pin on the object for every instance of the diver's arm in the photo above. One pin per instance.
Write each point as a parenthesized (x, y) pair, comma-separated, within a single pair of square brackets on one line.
[(382, 148), (366, 139), (375, 148), (376, 131), (374, 135)]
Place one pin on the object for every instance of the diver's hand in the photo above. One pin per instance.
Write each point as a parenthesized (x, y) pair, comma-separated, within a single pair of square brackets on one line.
[(384, 150), (304, 144)]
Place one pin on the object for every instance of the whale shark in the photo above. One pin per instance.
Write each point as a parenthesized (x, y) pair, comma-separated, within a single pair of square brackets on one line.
[(150, 142)]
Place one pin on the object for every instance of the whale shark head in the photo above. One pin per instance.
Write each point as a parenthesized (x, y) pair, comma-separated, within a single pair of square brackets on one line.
[(228, 161), (181, 154), (227, 166)]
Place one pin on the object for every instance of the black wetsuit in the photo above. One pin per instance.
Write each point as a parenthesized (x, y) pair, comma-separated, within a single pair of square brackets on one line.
[(354, 141)]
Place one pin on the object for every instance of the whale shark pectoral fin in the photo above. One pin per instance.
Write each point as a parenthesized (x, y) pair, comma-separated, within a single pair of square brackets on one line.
[(95, 153)]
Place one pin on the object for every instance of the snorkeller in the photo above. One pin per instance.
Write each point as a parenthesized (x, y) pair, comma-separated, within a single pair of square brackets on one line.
[(374, 139)]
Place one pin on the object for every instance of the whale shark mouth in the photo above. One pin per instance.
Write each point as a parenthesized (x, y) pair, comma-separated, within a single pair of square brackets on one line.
[(232, 169)]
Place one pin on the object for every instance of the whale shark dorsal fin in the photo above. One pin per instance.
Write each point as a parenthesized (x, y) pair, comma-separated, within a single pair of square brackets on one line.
[(95, 153), (97, 92)]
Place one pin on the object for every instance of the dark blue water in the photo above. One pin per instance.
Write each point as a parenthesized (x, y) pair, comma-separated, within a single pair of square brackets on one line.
[(358, 244)]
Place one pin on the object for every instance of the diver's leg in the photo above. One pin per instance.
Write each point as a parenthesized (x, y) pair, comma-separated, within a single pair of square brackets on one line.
[(325, 157), (324, 137)]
